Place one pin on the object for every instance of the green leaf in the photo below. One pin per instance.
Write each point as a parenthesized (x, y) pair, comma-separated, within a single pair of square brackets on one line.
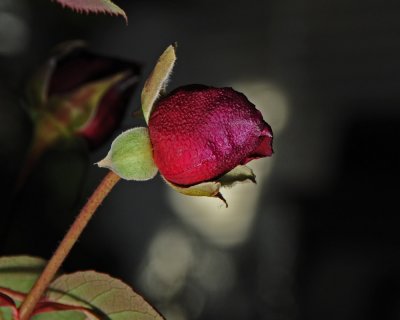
[(238, 174), (157, 80), (131, 156), (76, 296), (103, 293), (95, 6), (19, 273), (47, 310), (204, 189)]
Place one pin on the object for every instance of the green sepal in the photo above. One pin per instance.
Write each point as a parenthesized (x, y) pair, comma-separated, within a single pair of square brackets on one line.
[(238, 174), (204, 189), (131, 156), (157, 81)]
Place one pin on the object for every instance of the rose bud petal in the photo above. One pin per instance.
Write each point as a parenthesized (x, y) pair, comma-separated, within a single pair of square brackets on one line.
[(199, 133)]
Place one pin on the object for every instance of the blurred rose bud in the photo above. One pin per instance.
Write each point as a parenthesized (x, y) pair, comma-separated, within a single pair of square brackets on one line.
[(199, 133), (78, 93), (84, 93)]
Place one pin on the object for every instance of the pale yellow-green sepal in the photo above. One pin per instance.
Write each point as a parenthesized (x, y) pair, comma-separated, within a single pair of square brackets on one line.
[(204, 189), (238, 174), (157, 80), (131, 156)]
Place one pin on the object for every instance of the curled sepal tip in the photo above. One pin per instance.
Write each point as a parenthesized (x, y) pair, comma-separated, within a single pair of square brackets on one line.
[(157, 80), (131, 156), (238, 174), (204, 189)]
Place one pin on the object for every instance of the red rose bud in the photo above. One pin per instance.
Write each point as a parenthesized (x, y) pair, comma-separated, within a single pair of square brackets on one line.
[(199, 133)]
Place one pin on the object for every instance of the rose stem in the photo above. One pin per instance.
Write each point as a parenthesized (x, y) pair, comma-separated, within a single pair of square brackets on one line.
[(66, 244)]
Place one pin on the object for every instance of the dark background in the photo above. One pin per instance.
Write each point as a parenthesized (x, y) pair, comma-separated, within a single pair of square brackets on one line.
[(316, 239)]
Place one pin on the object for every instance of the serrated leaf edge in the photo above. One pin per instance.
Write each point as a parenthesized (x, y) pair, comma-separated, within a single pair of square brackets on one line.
[(114, 10)]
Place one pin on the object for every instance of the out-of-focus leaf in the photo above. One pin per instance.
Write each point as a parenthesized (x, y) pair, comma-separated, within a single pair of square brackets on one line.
[(157, 80), (107, 295), (17, 273), (95, 6), (131, 156)]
